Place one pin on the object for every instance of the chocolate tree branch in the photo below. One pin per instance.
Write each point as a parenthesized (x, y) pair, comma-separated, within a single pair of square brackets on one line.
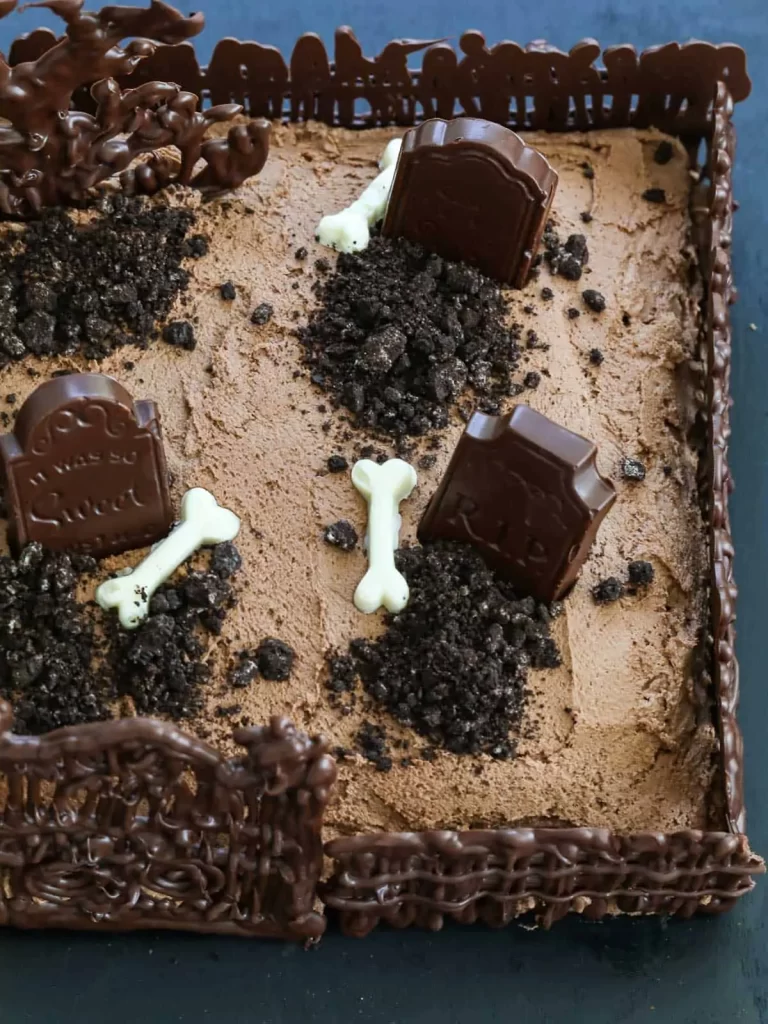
[(50, 153)]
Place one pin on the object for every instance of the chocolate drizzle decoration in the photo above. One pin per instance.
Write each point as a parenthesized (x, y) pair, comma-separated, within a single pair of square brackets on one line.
[(52, 153), (100, 826)]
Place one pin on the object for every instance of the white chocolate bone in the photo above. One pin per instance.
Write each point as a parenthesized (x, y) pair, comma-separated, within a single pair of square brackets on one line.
[(349, 231), (383, 487), (203, 522)]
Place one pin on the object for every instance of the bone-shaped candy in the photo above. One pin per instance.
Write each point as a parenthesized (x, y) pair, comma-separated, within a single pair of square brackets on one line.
[(203, 522), (349, 231), (383, 487)]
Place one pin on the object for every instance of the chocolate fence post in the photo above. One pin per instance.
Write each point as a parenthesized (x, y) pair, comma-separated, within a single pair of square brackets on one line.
[(436, 89), (526, 492), (84, 468), (472, 191), (351, 74), (311, 80)]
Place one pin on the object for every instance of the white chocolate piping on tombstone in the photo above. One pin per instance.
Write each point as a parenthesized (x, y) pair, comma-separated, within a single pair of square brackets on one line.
[(383, 487), (203, 523), (349, 231)]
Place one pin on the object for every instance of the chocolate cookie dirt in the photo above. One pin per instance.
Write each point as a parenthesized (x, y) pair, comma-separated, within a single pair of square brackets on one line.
[(474, 640), (401, 333), (92, 287)]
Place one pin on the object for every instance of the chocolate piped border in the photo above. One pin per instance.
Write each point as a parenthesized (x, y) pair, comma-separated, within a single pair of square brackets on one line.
[(134, 824)]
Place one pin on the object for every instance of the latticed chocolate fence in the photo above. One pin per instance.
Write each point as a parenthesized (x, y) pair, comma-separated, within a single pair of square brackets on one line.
[(133, 824)]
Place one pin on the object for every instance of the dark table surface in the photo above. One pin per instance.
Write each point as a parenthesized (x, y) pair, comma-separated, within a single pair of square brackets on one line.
[(707, 971)]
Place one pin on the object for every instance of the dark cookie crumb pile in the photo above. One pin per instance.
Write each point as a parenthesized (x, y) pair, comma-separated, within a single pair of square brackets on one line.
[(272, 660), (607, 591), (65, 288), (48, 648), (341, 535), (227, 291), (596, 357), (632, 469), (371, 740), (337, 464), (262, 314), (453, 664), (594, 300), (275, 659), (641, 573), (568, 259), (225, 560), (401, 333), (655, 195), (161, 665), (180, 334)]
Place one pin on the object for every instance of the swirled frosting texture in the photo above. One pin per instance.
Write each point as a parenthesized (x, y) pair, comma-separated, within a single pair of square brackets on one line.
[(619, 735)]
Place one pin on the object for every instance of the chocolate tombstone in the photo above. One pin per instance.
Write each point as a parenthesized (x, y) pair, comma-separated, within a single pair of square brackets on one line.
[(526, 492), (472, 190), (85, 469)]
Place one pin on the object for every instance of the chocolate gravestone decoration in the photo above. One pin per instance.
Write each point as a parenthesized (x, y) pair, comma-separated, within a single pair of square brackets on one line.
[(85, 469), (471, 190), (526, 492)]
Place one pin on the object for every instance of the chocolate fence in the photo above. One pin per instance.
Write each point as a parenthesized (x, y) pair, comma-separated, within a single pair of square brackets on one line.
[(134, 824), (525, 87)]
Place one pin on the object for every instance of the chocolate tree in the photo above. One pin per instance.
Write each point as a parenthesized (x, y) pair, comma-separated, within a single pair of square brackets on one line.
[(52, 153)]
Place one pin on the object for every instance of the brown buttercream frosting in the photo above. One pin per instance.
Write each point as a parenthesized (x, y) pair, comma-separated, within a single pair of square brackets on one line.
[(616, 736)]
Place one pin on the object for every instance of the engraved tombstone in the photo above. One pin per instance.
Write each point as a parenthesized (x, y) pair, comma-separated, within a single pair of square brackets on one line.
[(526, 492), (84, 468), (472, 191)]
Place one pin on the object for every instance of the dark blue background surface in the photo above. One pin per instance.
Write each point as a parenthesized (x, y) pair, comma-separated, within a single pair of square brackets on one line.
[(709, 971)]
